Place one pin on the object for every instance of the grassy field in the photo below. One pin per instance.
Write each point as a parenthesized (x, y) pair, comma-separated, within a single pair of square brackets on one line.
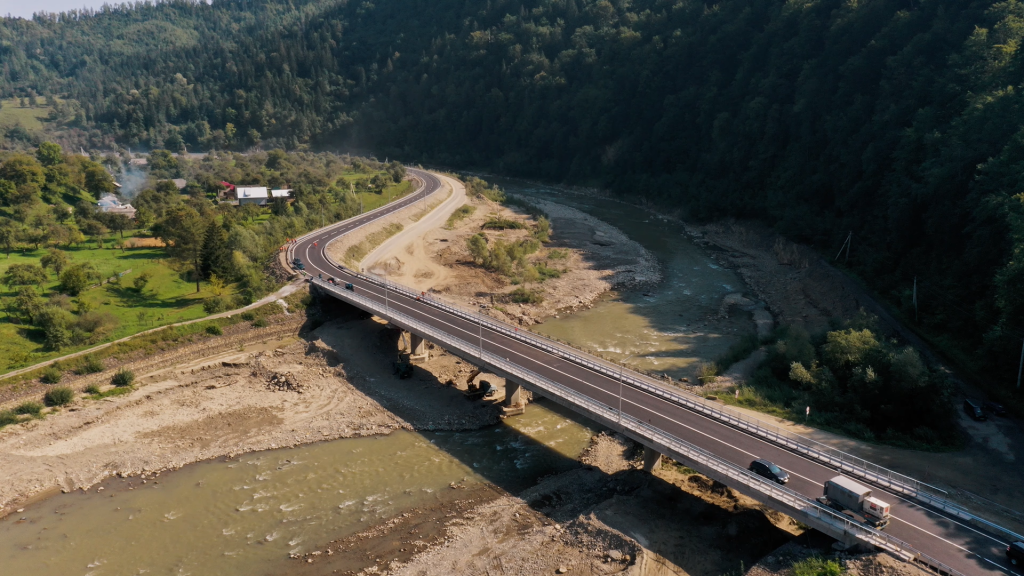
[(30, 118), (167, 299), (373, 200)]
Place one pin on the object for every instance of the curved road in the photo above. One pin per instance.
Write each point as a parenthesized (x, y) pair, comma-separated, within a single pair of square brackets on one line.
[(950, 541)]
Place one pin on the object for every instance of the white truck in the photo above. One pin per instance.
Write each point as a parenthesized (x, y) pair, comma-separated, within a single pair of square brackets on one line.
[(855, 501)]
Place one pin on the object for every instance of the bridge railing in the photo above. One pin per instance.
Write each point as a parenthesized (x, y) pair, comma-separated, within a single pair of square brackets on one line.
[(807, 447), (680, 447)]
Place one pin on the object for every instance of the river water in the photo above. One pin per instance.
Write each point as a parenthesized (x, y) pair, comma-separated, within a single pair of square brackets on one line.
[(666, 329), (246, 515)]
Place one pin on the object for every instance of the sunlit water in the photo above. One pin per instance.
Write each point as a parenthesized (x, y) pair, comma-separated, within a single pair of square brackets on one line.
[(667, 328), (245, 516)]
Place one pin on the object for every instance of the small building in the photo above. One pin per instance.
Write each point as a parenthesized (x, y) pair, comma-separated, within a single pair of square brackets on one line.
[(284, 193), (138, 162), (110, 204), (252, 195)]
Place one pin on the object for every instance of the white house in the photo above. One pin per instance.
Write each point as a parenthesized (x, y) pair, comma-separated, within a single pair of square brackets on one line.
[(251, 195), (284, 193), (111, 205)]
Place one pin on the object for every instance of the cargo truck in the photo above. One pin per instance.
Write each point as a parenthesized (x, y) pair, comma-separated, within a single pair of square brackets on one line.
[(855, 501)]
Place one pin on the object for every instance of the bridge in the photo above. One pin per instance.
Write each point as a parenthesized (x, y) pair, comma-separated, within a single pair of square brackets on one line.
[(926, 527)]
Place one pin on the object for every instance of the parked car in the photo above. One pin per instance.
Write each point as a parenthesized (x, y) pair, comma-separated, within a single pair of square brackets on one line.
[(349, 286), (973, 409), (297, 263), (994, 408), (1015, 553), (769, 470)]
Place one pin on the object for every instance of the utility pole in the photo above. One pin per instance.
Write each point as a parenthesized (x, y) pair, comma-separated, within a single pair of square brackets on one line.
[(621, 368), (480, 327), (386, 305)]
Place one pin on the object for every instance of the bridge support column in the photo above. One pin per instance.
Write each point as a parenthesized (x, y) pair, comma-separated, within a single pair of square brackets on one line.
[(652, 458), (513, 403), (418, 352)]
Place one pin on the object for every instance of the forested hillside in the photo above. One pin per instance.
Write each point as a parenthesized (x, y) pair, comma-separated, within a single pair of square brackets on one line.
[(898, 120)]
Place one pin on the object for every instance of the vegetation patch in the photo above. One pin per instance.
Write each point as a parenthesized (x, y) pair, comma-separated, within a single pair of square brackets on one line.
[(30, 408), (51, 375), (817, 566), (355, 253), (123, 378), (496, 223), (460, 214), (856, 383), (59, 396), (214, 330), (522, 295)]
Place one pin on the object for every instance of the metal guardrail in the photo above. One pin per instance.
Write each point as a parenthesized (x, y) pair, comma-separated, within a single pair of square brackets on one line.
[(290, 252), (807, 447), (696, 455)]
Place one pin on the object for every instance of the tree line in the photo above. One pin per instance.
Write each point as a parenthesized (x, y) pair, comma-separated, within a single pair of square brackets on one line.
[(897, 121)]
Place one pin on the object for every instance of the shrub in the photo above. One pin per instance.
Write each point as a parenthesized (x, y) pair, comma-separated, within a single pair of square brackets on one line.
[(214, 330), (51, 375), (30, 407), (92, 389), (248, 316), (558, 254), (707, 372), (214, 304), (59, 396), (817, 566), (260, 323), (523, 296), (91, 365), (123, 377), (7, 417), (503, 224)]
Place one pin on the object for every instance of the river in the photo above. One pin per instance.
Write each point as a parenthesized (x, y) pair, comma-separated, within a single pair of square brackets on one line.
[(246, 515)]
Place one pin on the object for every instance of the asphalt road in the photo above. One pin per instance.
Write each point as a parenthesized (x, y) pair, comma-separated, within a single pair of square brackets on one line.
[(951, 541)]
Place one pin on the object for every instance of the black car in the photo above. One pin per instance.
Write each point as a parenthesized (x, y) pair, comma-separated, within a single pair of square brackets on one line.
[(994, 408), (769, 471), (1015, 553), (973, 409)]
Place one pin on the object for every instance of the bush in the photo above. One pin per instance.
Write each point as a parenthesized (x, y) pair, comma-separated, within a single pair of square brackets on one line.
[(707, 372), (51, 375), (91, 365), (214, 304), (32, 408), (248, 316), (214, 330), (7, 417), (260, 323), (503, 224), (523, 296), (93, 389), (817, 566), (123, 377), (59, 396)]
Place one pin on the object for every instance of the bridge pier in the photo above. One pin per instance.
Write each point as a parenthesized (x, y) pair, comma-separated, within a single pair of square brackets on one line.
[(652, 458), (418, 349), (513, 404)]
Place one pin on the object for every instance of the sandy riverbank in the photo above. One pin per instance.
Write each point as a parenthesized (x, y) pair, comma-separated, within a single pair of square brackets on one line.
[(591, 256), (244, 395)]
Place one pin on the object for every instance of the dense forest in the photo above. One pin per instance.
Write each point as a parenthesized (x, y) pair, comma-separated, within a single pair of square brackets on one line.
[(897, 120)]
